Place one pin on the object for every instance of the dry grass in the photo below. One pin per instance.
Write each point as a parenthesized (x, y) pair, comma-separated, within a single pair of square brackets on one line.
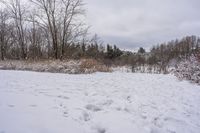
[(91, 65), (56, 66)]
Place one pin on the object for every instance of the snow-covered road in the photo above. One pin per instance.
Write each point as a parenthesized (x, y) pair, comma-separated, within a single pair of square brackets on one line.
[(32, 102)]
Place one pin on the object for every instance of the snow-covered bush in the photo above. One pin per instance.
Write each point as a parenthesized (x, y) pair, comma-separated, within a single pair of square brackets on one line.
[(154, 69), (188, 69)]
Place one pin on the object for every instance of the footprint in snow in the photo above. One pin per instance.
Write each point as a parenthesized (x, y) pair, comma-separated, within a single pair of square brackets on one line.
[(144, 116), (108, 103), (93, 108), (99, 129), (63, 97), (11, 106), (157, 122), (33, 105), (129, 99), (65, 114), (85, 116)]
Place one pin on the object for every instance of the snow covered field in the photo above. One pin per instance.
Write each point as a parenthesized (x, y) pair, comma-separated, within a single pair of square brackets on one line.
[(32, 102)]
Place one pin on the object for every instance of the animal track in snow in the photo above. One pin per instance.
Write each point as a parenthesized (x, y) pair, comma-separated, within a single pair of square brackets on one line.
[(93, 108)]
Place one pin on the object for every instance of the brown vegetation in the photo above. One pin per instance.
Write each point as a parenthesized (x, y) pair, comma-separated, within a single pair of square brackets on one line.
[(56, 66)]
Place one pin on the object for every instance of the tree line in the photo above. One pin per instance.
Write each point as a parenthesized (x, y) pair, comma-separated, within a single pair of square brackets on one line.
[(55, 29), (163, 55), (175, 49)]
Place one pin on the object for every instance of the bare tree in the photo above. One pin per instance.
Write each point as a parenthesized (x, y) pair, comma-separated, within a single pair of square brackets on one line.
[(7, 37), (62, 20), (34, 37), (3, 32), (17, 12)]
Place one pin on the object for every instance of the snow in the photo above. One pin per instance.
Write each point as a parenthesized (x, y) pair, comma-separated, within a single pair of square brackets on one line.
[(32, 102)]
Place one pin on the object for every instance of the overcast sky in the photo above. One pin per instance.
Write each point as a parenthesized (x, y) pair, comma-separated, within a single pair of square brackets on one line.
[(134, 23)]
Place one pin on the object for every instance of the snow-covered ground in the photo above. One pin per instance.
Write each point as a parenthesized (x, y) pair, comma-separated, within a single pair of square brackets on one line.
[(32, 102)]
